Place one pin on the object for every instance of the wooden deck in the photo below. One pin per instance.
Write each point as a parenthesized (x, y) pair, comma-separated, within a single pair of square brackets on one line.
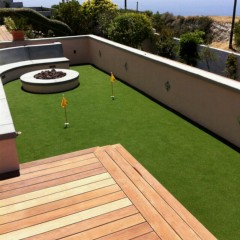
[(5, 35), (98, 193)]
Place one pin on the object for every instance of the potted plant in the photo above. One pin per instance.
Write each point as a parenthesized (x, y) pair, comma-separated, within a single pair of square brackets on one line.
[(16, 26)]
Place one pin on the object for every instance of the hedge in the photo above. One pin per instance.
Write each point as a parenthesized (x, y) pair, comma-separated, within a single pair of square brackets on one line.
[(37, 21)]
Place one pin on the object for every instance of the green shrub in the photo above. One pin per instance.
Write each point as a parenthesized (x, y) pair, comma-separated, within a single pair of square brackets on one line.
[(36, 20), (164, 44), (130, 29), (99, 14), (15, 23), (188, 47), (237, 34), (231, 66)]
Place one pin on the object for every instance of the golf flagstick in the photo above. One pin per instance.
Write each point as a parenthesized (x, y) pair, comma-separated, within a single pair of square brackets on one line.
[(112, 79), (64, 104)]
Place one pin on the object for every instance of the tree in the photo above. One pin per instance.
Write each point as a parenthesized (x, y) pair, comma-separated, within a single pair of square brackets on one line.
[(164, 44), (188, 47), (70, 13), (7, 4), (157, 21), (237, 34), (148, 13), (231, 66), (130, 29), (99, 15)]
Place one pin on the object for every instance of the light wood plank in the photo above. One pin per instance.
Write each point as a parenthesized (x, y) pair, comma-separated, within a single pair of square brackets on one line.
[(71, 219), (55, 182), (5, 35), (57, 163), (44, 208), (168, 197), (54, 197), (108, 228), (168, 214), (129, 233), (51, 170), (160, 226), (61, 212), (55, 189), (49, 177), (57, 158), (148, 236), (87, 224)]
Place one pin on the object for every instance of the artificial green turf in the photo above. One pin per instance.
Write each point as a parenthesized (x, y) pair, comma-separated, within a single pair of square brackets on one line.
[(200, 171)]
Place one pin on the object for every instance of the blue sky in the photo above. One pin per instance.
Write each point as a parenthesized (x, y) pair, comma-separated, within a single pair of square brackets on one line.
[(177, 7)]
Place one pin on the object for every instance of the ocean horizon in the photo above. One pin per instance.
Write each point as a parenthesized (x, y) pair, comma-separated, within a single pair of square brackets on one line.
[(176, 7)]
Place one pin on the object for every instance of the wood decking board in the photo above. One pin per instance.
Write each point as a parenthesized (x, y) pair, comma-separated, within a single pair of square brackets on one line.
[(108, 228), (61, 212), (56, 164), (148, 236), (88, 224), (84, 152), (68, 220), (5, 35), (129, 232), (169, 198), (51, 183), (50, 177), (159, 224), (165, 211), (51, 170), (55, 197), (52, 190), (44, 208), (97, 193)]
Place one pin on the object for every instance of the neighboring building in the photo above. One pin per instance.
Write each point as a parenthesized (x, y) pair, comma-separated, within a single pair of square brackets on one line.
[(44, 11), (10, 4)]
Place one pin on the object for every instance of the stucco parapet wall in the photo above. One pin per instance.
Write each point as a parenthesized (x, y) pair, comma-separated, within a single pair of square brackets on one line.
[(204, 75), (7, 129), (5, 44)]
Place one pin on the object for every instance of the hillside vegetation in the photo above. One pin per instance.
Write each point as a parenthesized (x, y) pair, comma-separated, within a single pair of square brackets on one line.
[(224, 19), (221, 28)]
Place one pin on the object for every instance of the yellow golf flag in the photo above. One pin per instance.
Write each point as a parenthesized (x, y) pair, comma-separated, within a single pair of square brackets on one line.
[(64, 102), (112, 78)]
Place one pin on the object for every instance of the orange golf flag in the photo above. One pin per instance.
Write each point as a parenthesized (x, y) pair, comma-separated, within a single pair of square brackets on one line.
[(64, 102)]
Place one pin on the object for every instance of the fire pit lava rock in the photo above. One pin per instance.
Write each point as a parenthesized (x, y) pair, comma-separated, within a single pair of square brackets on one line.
[(50, 74)]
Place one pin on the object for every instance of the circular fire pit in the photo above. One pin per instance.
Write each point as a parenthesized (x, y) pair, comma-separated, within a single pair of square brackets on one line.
[(50, 80), (50, 74)]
